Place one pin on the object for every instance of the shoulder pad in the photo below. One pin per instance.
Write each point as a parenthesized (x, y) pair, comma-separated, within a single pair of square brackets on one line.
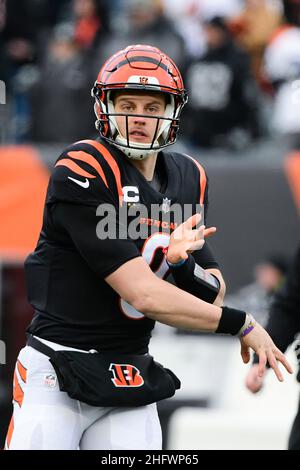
[(86, 173)]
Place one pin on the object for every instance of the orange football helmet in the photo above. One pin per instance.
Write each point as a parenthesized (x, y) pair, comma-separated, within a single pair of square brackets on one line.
[(145, 68)]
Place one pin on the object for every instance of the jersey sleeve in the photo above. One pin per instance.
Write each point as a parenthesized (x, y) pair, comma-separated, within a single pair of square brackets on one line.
[(84, 174), (84, 199), (205, 200), (201, 179), (204, 257), (202, 197)]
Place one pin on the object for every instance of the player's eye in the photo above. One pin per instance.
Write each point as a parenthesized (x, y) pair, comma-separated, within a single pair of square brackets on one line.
[(127, 107), (152, 110)]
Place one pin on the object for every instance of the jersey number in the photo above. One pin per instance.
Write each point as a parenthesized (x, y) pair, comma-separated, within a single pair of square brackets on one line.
[(155, 242)]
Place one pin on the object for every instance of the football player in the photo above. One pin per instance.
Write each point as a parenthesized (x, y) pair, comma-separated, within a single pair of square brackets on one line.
[(96, 291)]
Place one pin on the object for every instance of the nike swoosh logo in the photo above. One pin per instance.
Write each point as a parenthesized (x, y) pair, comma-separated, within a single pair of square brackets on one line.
[(84, 184)]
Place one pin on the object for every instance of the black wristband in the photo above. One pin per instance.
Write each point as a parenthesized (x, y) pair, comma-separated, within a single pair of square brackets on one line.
[(231, 321), (192, 278)]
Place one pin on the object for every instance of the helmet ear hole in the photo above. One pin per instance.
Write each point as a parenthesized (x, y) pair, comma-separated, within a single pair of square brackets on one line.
[(173, 131), (101, 123), (105, 128)]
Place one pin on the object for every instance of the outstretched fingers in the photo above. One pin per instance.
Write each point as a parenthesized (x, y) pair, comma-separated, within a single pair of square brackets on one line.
[(274, 365), (281, 358), (273, 356), (262, 362), (192, 221), (208, 232)]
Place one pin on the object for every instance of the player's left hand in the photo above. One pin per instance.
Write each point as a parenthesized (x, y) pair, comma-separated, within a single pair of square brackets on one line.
[(261, 343), (185, 239)]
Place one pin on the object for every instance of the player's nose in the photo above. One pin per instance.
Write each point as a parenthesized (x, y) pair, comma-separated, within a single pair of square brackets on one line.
[(139, 119)]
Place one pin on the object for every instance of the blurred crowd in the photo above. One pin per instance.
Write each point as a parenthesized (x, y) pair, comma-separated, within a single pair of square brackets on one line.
[(240, 60), (268, 278)]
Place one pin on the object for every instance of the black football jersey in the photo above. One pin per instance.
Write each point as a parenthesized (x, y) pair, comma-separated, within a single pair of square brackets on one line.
[(93, 189)]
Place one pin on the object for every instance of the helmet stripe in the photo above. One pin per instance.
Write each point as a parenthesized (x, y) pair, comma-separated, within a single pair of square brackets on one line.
[(150, 60)]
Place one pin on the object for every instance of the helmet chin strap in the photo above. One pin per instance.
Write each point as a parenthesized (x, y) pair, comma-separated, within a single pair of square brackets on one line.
[(139, 153)]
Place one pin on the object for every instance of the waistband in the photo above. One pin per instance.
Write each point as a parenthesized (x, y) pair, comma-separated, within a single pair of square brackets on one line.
[(47, 347)]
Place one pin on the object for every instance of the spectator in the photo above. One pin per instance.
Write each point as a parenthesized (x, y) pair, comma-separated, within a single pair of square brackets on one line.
[(146, 24), (253, 28), (188, 16), (256, 297), (222, 106), (91, 22), (282, 68), (60, 97), (24, 25)]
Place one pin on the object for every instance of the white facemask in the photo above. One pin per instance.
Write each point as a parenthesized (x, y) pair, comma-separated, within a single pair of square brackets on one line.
[(141, 150)]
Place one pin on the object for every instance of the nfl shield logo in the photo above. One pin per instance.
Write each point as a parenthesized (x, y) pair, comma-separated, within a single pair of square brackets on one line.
[(166, 205), (50, 380)]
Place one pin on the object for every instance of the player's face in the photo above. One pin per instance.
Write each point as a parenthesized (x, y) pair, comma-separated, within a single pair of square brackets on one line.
[(140, 128)]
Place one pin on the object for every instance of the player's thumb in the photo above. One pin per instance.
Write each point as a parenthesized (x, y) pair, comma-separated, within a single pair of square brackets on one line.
[(245, 353)]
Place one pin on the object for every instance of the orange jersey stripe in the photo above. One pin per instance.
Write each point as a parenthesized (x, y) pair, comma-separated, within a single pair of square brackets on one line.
[(10, 432), (202, 179), (18, 394), (74, 167), (87, 158), (22, 371), (111, 161)]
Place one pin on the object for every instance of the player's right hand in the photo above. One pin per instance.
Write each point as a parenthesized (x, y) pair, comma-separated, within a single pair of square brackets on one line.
[(185, 239), (253, 381)]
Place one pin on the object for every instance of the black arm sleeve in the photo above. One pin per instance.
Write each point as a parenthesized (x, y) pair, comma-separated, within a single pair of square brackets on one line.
[(205, 257), (186, 280), (191, 278)]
